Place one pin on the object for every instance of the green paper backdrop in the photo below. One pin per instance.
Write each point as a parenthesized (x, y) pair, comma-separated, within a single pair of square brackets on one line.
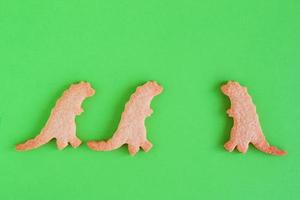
[(190, 47)]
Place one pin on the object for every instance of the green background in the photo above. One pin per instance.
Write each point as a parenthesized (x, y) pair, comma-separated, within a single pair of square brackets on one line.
[(190, 47)]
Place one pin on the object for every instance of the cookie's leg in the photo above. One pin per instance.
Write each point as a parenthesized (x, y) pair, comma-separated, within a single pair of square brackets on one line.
[(75, 142), (230, 145), (61, 143), (243, 147), (133, 149), (146, 146)]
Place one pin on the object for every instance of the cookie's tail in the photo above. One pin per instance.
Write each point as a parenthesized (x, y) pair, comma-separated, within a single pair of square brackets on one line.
[(33, 143), (108, 145), (265, 147)]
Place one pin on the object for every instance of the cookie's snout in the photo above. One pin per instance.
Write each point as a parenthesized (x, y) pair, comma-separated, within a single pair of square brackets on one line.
[(224, 89), (91, 91), (157, 88)]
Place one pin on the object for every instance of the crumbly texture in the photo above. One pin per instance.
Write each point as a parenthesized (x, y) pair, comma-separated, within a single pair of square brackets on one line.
[(61, 123), (246, 127), (131, 129)]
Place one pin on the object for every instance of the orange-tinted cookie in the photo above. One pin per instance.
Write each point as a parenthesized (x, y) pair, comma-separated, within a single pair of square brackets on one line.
[(131, 129), (61, 123), (246, 127)]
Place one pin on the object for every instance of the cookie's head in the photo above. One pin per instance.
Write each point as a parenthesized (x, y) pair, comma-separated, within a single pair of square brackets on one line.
[(233, 89), (152, 88), (85, 88)]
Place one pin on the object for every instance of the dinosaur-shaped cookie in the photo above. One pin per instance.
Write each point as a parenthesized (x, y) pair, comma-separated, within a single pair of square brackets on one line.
[(61, 123), (131, 129), (246, 127)]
